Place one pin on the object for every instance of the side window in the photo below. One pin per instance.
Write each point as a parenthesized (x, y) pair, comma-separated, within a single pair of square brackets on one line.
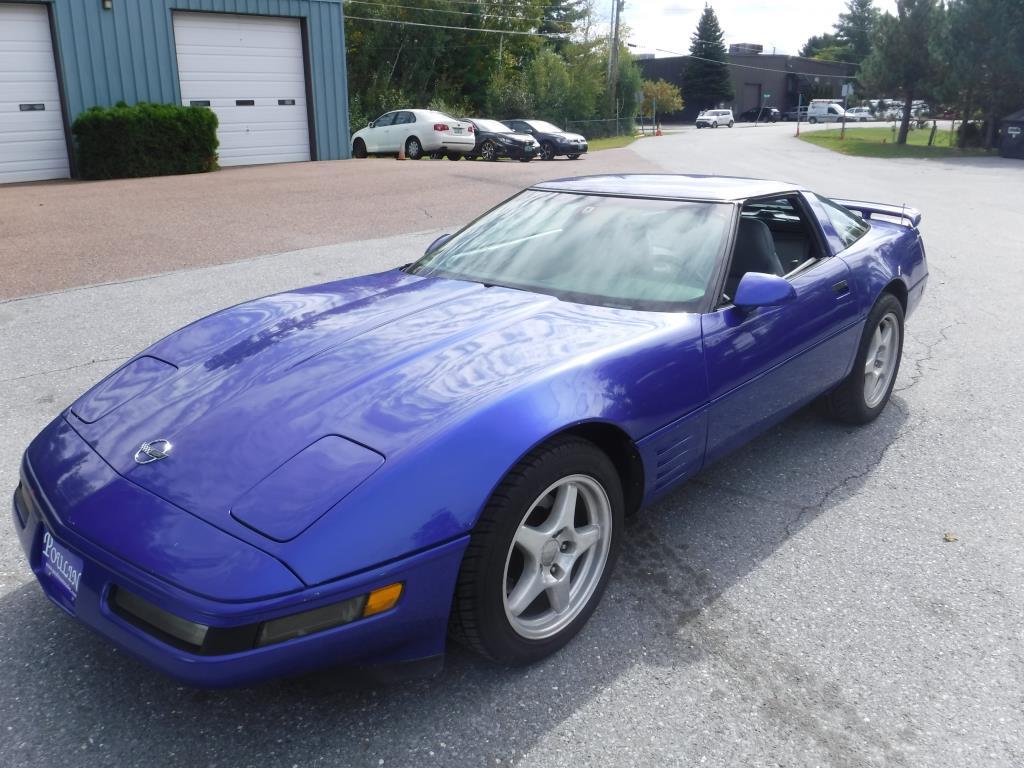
[(775, 236), (384, 120), (848, 226), (404, 118)]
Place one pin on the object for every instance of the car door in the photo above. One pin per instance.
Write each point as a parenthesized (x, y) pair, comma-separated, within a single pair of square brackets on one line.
[(401, 129), (764, 363), (377, 136)]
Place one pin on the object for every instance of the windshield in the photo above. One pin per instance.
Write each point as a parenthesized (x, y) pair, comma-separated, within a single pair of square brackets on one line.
[(543, 127), (493, 126), (611, 251)]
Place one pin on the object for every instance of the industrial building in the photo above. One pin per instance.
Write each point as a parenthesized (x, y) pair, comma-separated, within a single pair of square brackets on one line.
[(272, 70), (758, 79)]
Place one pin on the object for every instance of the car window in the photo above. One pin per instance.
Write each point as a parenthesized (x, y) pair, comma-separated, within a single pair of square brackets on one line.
[(384, 120), (493, 126), (544, 127), (657, 255), (405, 118), (848, 226)]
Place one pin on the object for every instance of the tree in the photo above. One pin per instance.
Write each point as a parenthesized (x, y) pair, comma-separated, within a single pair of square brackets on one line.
[(661, 96), (560, 17), (854, 30), (823, 46), (904, 56), (706, 80), (548, 79)]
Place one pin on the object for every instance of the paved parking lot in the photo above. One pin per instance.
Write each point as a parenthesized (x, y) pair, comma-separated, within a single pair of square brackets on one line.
[(796, 604)]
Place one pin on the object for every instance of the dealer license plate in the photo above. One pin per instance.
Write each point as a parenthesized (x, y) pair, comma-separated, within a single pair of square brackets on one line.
[(62, 566)]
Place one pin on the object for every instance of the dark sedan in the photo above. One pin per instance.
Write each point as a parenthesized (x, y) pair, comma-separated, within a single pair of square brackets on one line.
[(762, 115), (552, 139), (496, 140)]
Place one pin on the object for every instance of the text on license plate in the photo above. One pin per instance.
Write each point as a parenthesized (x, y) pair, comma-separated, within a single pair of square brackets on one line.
[(61, 565), (456, 130)]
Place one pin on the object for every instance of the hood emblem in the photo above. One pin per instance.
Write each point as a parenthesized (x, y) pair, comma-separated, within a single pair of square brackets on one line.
[(153, 450)]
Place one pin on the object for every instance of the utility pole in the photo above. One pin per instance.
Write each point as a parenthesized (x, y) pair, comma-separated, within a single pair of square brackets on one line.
[(613, 54)]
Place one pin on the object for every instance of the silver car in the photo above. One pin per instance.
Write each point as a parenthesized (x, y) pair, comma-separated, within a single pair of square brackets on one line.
[(712, 118)]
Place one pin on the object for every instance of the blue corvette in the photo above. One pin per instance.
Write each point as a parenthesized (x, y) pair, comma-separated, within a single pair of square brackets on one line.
[(353, 472)]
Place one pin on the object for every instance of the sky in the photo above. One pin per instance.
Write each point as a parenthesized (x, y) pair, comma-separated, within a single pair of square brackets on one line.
[(783, 25)]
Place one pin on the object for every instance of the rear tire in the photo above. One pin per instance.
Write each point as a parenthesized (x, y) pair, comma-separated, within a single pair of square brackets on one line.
[(812, 120), (413, 148), (489, 151), (538, 561), (730, 123), (453, 156), (359, 149), (864, 393)]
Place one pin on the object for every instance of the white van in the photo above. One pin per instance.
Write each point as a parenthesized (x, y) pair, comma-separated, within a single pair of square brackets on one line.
[(824, 111)]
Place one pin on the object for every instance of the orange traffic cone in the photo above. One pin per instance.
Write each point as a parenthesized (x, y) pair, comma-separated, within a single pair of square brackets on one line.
[(657, 131), (401, 152)]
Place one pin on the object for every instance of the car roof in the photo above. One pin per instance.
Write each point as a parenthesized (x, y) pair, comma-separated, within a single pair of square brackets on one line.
[(677, 186)]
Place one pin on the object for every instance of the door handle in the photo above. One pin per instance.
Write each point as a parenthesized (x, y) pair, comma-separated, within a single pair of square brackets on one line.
[(841, 288)]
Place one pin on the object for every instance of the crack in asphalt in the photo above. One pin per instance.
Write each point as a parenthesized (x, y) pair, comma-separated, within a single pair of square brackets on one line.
[(63, 370), (929, 352)]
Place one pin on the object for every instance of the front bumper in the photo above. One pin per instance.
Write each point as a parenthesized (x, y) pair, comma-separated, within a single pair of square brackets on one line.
[(572, 149), (414, 629), (519, 151)]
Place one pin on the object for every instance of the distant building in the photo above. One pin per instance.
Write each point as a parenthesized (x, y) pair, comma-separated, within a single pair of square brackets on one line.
[(746, 49), (643, 56), (759, 79)]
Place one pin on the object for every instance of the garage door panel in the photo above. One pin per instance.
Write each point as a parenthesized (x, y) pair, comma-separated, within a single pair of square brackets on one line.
[(224, 58), (32, 143)]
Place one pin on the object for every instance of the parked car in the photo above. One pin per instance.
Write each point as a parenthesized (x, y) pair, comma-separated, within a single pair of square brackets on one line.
[(859, 114), (712, 118), (553, 140), (762, 115), (417, 131), (797, 114), (345, 473), (495, 140), (824, 111)]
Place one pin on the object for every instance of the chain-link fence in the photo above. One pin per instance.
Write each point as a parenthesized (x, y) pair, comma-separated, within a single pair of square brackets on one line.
[(599, 129)]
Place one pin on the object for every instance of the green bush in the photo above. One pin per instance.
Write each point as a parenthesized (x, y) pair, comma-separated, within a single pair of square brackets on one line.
[(145, 140)]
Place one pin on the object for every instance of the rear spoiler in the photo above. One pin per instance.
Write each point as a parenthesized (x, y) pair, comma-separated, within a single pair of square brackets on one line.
[(866, 210)]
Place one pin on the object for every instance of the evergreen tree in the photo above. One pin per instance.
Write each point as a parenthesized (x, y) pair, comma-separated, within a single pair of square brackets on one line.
[(706, 80), (854, 30), (905, 55), (560, 17)]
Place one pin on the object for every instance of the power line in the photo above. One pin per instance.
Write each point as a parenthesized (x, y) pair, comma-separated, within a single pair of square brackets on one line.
[(551, 35), (439, 10)]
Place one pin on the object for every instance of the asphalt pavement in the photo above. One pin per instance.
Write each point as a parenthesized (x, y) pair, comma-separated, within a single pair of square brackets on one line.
[(827, 596)]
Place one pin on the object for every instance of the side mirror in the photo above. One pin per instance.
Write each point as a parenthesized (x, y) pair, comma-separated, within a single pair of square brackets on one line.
[(757, 289), (370, 124), (437, 244)]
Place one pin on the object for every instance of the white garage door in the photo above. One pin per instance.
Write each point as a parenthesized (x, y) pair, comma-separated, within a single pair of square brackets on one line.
[(32, 143), (250, 71)]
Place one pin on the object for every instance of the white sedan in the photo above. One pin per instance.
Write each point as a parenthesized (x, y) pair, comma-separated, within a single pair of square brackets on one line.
[(418, 131)]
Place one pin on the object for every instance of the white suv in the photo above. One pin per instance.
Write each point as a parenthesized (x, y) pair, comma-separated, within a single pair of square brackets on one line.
[(712, 118)]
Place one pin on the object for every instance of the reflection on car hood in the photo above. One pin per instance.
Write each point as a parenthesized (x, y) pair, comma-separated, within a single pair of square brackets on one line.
[(569, 136), (384, 361)]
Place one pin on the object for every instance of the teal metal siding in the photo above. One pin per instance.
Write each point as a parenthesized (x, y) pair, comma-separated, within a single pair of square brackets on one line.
[(127, 54)]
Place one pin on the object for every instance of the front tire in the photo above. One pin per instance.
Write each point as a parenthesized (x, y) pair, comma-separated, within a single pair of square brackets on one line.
[(812, 120), (359, 149), (547, 151), (865, 392), (730, 123), (574, 156), (540, 555), (453, 156)]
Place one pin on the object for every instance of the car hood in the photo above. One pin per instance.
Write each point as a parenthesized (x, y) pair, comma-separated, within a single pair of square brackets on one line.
[(565, 136), (522, 138), (375, 365)]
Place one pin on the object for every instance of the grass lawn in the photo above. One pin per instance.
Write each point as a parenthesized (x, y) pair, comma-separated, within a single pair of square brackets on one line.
[(613, 142), (881, 142)]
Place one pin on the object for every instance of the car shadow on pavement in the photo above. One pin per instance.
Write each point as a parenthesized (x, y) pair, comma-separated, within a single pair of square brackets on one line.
[(68, 693)]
